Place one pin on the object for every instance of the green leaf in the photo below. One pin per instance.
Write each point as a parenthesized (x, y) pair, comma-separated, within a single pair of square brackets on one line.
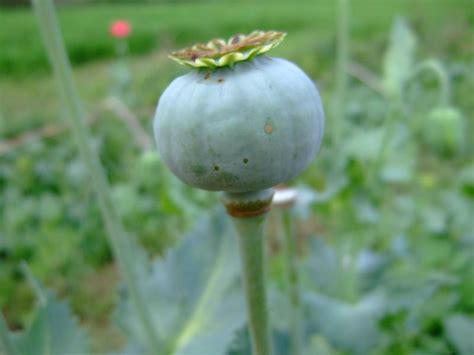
[(399, 165), (322, 268), (193, 293), (460, 331), (434, 219), (366, 210), (54, 330), (466, 180), (399, 58), (319, 345), (364, 144), (6, 342), (346, 326)]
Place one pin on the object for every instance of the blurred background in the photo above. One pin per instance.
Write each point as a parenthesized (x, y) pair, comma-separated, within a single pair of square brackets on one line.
[(388, 205)]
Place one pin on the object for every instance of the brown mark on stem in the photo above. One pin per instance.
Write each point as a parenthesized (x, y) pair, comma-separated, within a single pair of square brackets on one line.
[(248, 206), (248, 210)]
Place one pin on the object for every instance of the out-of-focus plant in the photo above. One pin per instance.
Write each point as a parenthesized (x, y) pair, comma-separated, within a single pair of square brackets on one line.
[(123, 246), (283, 201), (339, 106), (120, 30), (443, 127), (445, 130), (389, 150)]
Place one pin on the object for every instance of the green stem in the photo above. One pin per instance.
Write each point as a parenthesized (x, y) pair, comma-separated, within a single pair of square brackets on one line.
[(388, 132), (118, 239), (5, 338), (248, 211), (437, 69), (293, 282), (250, 234), (342, 60)]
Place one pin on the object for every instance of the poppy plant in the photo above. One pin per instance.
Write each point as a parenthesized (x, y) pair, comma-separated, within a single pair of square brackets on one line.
[(241, 122)]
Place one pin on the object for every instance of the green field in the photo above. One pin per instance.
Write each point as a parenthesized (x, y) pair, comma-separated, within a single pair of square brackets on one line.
[(387, 190), (162, 26)]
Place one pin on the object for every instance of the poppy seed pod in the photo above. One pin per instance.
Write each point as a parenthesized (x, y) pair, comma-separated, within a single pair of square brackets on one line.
[(444, 130), (239, 121)]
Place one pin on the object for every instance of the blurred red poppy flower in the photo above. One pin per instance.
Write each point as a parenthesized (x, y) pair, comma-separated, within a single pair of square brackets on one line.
[(120, 29)]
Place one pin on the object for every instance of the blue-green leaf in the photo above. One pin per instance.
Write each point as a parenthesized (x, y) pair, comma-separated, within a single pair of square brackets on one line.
[(341, 323), (399, 58), (193, 293), (460, 331), (318, 345), (54, 330)]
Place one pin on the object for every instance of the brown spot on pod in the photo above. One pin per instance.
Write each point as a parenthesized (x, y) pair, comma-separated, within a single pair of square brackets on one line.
[(208, 74), (269, 127), (220, 80)]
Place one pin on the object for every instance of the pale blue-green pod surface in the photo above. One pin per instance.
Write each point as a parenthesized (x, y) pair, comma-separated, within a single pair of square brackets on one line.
[(240, 129)]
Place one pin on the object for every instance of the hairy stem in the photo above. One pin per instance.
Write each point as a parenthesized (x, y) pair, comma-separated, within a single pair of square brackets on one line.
[(118, 239)]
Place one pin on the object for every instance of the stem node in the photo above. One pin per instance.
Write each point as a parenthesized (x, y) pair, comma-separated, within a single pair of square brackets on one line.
[(248, 204)]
